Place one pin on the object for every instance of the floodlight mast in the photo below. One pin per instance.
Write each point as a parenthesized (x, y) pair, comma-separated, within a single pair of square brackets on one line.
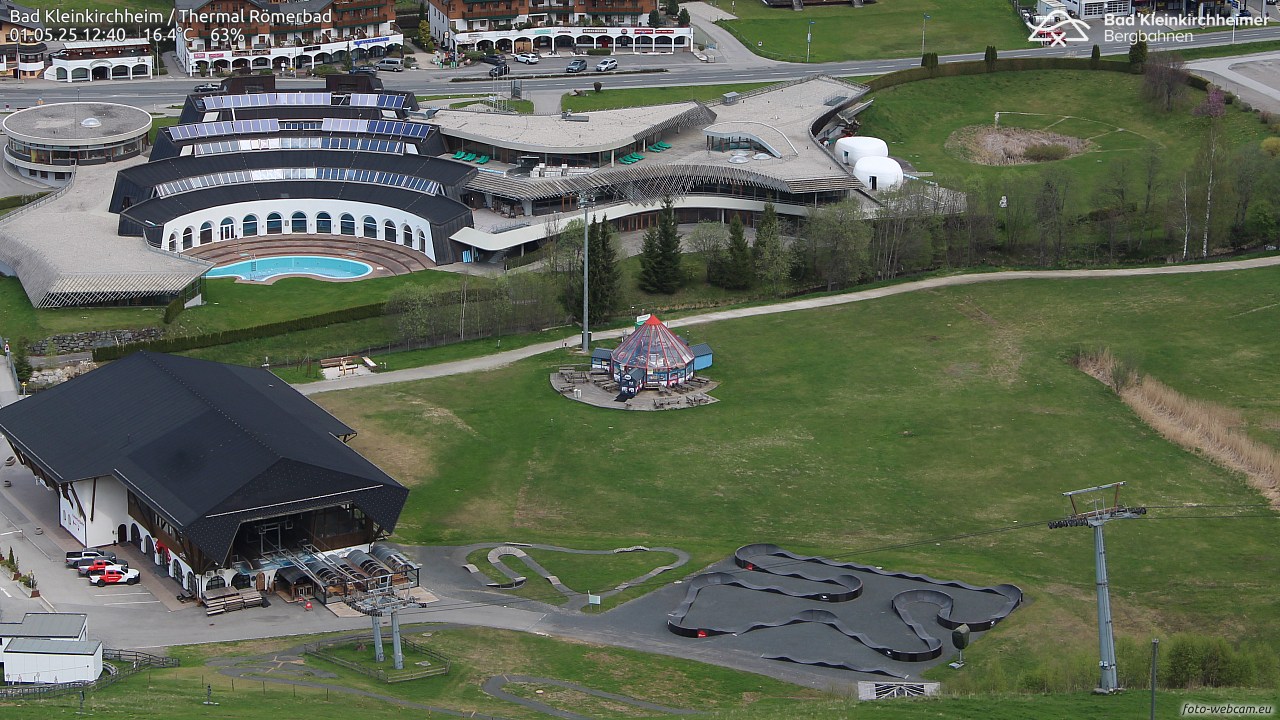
[(1096, 518)]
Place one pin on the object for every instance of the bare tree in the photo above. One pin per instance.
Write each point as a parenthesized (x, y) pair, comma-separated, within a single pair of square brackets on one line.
[(839, 234), (1213, 107), (1164, 79)]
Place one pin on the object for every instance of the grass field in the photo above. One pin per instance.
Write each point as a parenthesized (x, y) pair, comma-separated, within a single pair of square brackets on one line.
[(475, 655), (1106, 104), (636, 97), (882, 30), (917, 416)]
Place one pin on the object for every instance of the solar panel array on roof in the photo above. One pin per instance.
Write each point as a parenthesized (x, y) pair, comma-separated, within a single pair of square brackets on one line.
[(386, 102), (224, 127), (223, 102), (377, 127)]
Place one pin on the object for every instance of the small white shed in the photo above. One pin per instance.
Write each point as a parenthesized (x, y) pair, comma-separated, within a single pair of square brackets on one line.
[(33, 660)]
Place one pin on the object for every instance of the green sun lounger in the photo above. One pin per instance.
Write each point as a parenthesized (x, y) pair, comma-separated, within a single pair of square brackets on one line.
[(482, 159)]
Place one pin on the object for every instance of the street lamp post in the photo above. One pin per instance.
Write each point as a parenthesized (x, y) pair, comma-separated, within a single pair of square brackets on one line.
[(586, 201), (808, 40), (924, 27)]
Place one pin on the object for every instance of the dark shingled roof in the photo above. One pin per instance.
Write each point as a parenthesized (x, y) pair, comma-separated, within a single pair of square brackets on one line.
[(207, 445)]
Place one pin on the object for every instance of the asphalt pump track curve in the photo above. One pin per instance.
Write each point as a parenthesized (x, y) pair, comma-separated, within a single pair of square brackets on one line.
[(838, 588)]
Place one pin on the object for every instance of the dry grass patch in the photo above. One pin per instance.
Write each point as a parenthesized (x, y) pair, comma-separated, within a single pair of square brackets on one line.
[(1215, 431), (990, 145)]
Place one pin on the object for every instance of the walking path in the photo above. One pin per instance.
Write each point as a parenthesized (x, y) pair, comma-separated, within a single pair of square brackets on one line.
[(728, 49), (502, 359), (1243, 75)]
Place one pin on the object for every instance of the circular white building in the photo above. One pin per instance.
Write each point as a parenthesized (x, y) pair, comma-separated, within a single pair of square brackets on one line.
[(878, 173), (852, 149), (45, 143)]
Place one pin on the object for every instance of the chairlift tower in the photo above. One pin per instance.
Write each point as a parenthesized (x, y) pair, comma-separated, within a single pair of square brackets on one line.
[(1096, 518)]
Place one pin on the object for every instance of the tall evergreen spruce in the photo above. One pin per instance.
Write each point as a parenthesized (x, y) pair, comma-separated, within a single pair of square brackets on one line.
[(660, 270), (740, 267), (605, 277)]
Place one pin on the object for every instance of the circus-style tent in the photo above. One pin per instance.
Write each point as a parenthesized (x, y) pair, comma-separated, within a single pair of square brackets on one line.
[(652, 356)]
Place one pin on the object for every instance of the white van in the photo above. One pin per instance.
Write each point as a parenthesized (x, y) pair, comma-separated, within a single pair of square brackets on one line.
[(391, 64)]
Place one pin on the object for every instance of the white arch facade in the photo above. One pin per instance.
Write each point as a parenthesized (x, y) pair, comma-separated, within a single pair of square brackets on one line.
[(177, 229)]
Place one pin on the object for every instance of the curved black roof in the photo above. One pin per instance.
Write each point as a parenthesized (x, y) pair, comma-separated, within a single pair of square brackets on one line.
[(138, 182), (150, 214), (208, 446)]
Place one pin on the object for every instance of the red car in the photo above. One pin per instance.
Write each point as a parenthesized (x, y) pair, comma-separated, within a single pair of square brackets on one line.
[(99, 563), (115, 577)]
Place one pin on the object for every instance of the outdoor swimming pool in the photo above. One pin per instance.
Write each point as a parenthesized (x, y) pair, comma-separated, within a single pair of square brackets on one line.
[(267, 268)]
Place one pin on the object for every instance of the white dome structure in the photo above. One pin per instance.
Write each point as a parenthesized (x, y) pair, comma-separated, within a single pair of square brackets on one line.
[(878, 173), (852, 149)]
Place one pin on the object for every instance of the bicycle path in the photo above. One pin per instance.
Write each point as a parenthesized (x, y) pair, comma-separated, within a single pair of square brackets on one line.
[(502, 359)]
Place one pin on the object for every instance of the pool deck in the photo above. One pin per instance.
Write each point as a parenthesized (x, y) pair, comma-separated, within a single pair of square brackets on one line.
[(386, 259)]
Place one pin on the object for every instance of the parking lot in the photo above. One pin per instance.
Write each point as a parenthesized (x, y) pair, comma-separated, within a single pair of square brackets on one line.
[(147, 615)]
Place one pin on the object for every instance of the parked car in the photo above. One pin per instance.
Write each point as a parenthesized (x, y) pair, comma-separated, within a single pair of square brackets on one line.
[(390, 64), (208, 87), (115, 577), (528, 58), (364, 70), (111, 567), (499, 70), (494, 60), (576, 66), (98, 563), (88, 554), (606, 65)]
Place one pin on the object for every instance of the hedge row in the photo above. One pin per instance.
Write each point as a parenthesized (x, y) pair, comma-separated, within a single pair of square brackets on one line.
[(256, 332), (979, 67)]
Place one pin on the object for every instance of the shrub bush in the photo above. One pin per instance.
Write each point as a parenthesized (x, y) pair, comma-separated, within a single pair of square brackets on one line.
[(192, 342), (600, 51), (977, 67), (1045, 152)]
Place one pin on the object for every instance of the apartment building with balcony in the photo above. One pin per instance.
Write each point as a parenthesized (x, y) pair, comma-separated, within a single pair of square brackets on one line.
[(232, 35), (22, 49), (453, 20)]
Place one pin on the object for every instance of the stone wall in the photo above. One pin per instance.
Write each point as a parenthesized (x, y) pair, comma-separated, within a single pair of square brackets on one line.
[(87, 341)]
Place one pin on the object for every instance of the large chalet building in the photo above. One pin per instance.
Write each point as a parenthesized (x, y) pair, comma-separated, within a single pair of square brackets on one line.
[(539, 24), (230, 35)]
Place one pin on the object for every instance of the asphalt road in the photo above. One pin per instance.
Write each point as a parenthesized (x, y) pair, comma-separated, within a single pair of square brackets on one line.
[(680, 70)]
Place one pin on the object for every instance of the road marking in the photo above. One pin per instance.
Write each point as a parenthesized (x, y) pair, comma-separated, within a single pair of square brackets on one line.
[(134, 602), (119, 594), (10, 532), (6, 593)]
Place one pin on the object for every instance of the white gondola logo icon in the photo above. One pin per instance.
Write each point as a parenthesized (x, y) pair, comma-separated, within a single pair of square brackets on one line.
[(1055, 28)]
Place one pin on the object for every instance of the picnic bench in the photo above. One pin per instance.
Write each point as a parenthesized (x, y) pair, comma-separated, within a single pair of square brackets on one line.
[(227, 599), (345, 365)]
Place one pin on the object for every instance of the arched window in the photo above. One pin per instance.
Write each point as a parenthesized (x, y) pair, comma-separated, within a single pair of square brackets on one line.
[(227, 229), (299, 223), (173, 241), (250, 225), (206, 233), (324, 224), (275, 224), (186, 238), (406, 235), (389, 231), (370, 227), (422, 241), (348, 224)]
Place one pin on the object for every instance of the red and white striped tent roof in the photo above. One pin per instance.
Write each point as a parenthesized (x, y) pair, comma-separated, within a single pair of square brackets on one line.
[(652, 347)]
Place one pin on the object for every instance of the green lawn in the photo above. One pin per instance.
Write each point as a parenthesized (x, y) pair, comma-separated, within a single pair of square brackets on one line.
[(636, 97), (1218, 51), (583, 573), (475, 655), (1107, 106), (520, 106), (156, 124), (926, 414), (883, 30)]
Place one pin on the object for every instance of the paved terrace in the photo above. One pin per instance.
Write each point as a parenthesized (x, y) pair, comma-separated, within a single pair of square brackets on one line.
[(68, 245)]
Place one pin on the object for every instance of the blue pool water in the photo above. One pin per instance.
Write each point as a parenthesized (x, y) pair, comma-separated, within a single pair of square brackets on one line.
[(266, 268)]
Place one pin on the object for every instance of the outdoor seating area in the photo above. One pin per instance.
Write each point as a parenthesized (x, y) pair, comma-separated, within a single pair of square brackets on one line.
[(595, 388), (631, 159), (465, 156), (659, 147)]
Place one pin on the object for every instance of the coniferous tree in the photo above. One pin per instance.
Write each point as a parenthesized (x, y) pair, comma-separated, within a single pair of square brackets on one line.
[(739, 270), (660, 270), (606, 279)]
